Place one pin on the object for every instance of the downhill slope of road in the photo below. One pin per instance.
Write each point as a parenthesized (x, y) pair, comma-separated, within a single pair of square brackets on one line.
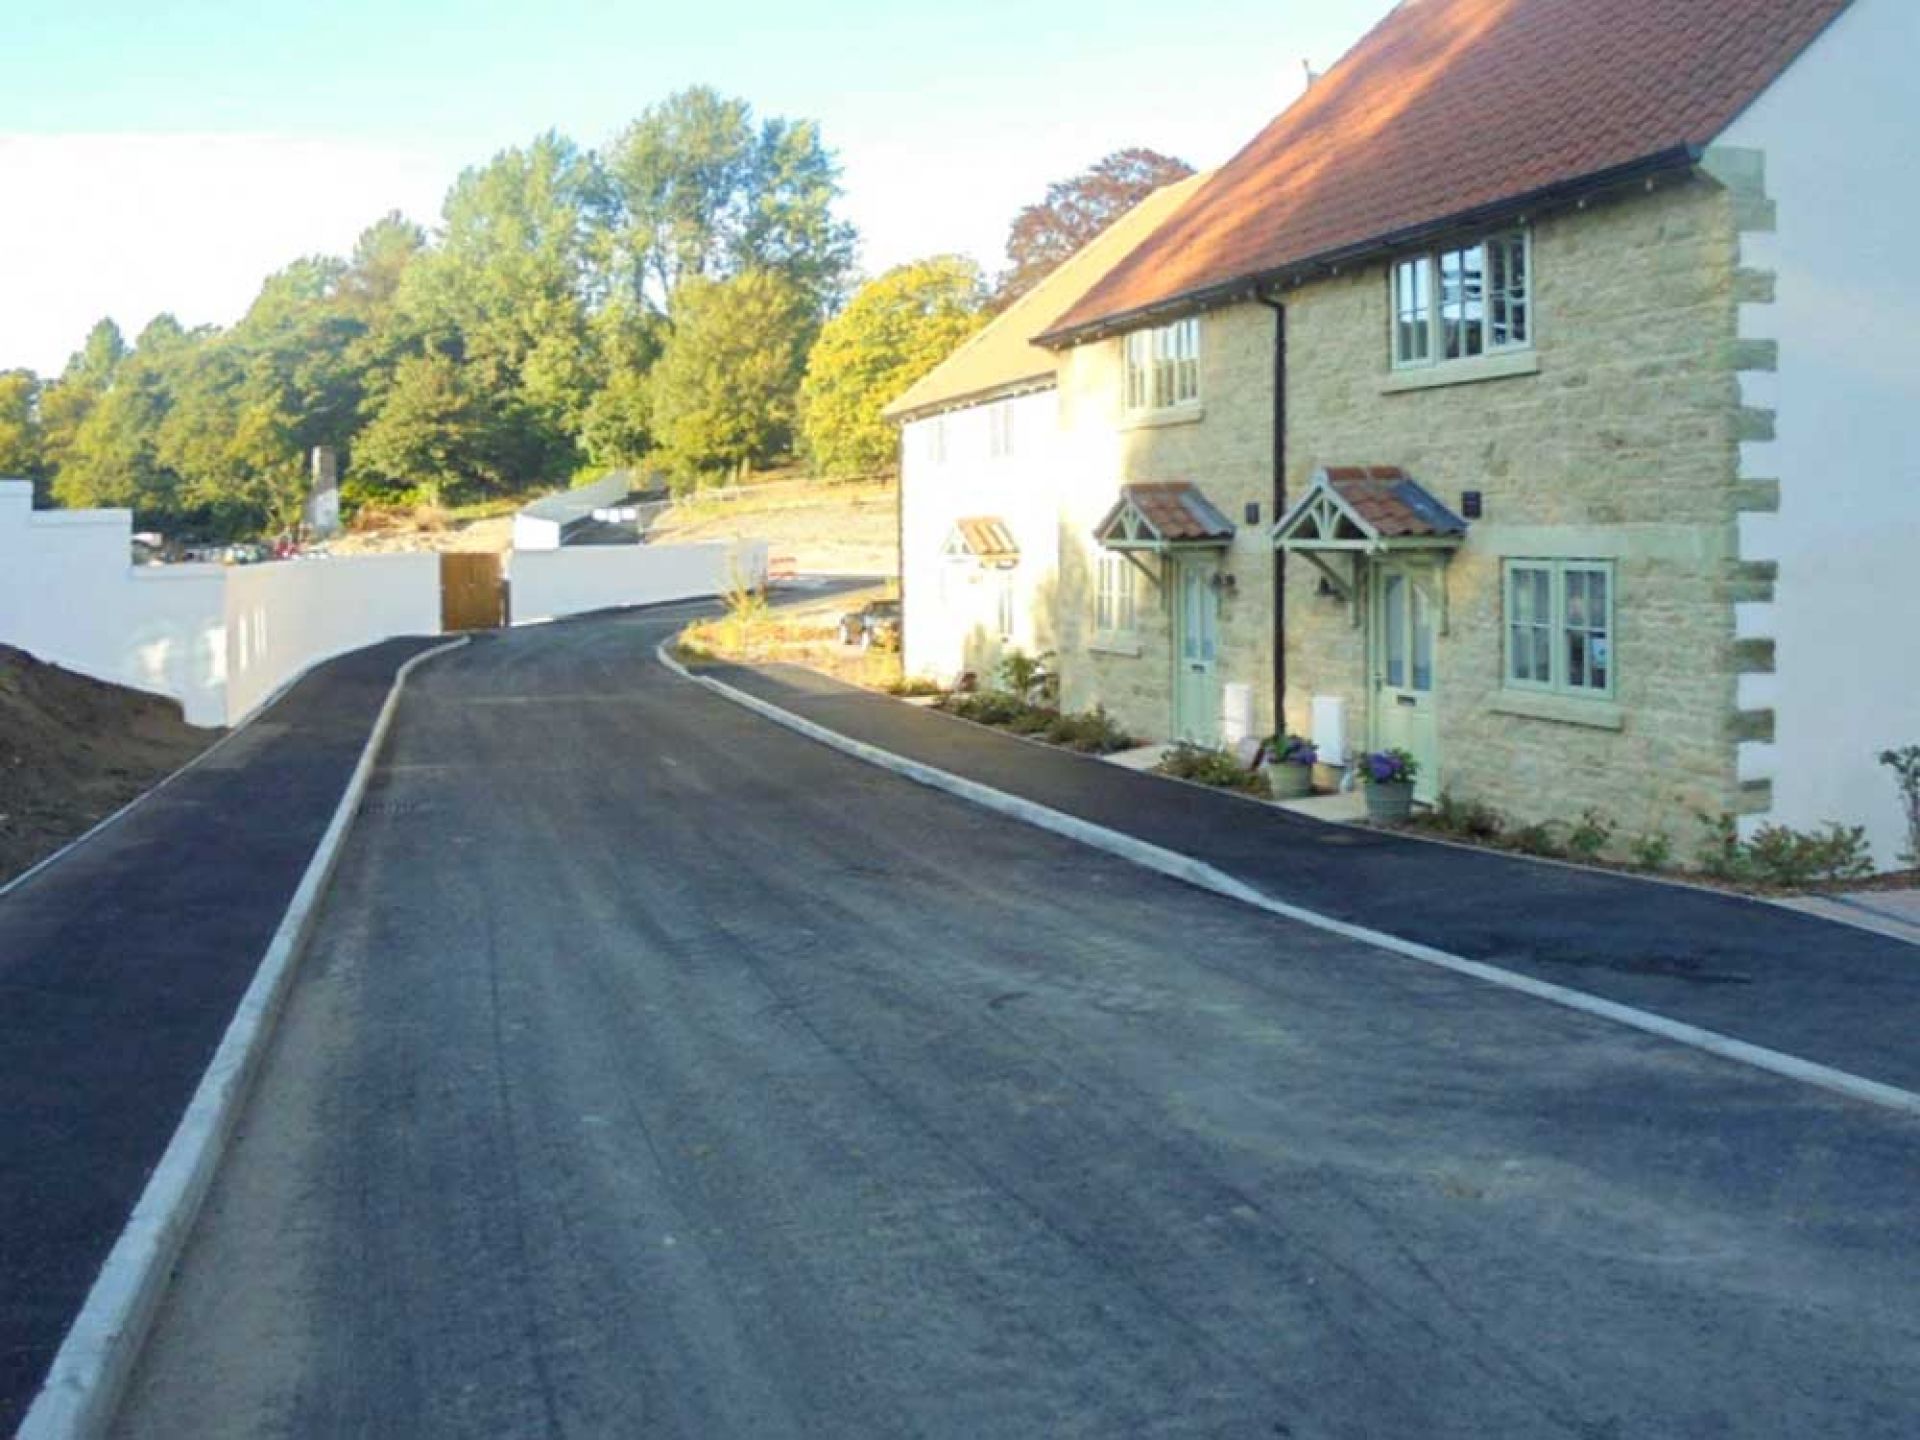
[(73, 750), (656, 1071)]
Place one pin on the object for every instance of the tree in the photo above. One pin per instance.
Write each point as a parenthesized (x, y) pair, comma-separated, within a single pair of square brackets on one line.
[(1077, 209), (437, 435), (892, 332), (723, 392), (21, 457), (698, 191)]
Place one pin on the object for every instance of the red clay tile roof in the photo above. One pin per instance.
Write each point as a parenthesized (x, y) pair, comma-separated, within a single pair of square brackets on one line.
[(1389, 503), (1451, 107), (1173, 511), (988, 538)]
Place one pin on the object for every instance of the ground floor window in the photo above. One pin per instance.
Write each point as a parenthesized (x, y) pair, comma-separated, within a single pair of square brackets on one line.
[(1003, 603), (1113, 600), (1559, 626)]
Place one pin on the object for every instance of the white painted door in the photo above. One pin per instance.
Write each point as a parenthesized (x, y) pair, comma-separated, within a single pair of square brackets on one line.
[(1196, 653), (1406, 621)]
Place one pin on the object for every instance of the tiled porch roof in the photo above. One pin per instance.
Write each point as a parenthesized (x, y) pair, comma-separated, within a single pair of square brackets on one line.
[(1155, 516), (985, 537), (1366, 507)]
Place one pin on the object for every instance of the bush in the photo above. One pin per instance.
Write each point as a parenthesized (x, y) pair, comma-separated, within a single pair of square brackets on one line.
[(915, 686), (1471, 818), (1537, 840), (1027, 676), (1905, 764), (1779, 855), (1652, 851), (987, 707), (1033, 720), (1206, 766), (1091, 732), (1720, 853), (1592, 835)]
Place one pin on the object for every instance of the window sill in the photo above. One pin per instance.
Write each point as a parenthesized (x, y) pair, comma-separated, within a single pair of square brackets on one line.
[(1153, 419), (1462, 372), (1124, 645), (1567, 709)]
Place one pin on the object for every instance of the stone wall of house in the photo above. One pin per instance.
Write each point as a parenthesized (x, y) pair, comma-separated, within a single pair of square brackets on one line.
[(1622, 446), (1226, 449)]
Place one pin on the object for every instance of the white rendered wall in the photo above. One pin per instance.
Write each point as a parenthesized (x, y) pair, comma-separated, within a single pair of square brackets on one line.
[(1838, 132), (547, 584), (951, 614)]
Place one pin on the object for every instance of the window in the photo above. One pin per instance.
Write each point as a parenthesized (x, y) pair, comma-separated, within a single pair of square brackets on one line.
[(1003, 603), (1560, 626), (937, 440), (1462, 302), (1113, 613), (1000, 429), (1163, 366)]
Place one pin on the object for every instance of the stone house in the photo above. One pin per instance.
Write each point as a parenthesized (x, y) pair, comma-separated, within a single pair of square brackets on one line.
[(981, 445), (1530, 395)]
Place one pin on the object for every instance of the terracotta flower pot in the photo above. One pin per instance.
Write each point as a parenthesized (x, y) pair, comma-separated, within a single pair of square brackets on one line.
[(1392, 800), (1289, 782)]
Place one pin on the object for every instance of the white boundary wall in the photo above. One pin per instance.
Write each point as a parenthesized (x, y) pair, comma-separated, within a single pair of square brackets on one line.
[(1837, 134), (548, 584), (218, 639)]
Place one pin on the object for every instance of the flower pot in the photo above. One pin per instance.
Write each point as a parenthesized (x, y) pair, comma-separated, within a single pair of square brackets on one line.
[(1392, 800), (1289, 782)]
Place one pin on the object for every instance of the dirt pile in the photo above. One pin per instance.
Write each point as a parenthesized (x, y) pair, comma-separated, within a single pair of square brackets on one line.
[(74, 750)]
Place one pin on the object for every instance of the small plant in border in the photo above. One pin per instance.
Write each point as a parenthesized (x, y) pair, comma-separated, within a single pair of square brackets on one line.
[(1593, 834), (1905, 764), (1389, 767), (1205, 765), (1289, 750)]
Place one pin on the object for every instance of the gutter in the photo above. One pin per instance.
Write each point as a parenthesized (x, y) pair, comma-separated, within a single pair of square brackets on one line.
[(1249, 286), (1279, 508)]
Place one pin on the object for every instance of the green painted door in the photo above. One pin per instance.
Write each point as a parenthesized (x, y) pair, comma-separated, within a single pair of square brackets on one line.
[(1406, 621), (1196, 651)]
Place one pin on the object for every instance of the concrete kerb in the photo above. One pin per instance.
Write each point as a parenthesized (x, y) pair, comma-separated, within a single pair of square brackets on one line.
[(96, 1359), (1207, 877)]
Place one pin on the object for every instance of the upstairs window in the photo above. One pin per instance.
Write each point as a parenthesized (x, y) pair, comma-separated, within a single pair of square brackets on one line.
[(1463, 302), (1163, 367), (1000, 430)]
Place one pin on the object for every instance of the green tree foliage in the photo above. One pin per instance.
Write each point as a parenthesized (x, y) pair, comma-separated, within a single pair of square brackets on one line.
[(894, 330), (21, 456), (566, 309), (698, 190), (1077, 209), (724, 390)]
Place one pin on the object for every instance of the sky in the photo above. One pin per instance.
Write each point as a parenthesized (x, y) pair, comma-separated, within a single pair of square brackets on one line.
[(168, 155)]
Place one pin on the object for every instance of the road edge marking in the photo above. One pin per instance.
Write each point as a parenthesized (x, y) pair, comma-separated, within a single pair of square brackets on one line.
[(1207, 877), (90, 1371)]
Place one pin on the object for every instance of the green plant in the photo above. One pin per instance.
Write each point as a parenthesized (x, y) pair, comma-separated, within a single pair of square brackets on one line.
[(1905, 764), (1470, 818), (1720, 853), (914, 686), (1779, 855), (1537, 840), (987, 707), (1033, 720), (1090, 731), (1205, 765), (1651, 851), (1027, 676), (1289, 750), (1592, 835)]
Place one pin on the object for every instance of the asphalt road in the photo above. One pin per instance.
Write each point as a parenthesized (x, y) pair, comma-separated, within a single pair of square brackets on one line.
[(657, 1072)]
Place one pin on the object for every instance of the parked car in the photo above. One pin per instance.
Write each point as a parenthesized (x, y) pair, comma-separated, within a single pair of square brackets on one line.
[(875, 623)]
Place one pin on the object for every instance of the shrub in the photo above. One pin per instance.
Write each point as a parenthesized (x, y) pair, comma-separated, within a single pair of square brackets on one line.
[(1592, 835), (986, 707), (1720, 853), (1905, 764), (1205, 765), (1779, 855), (1470, 818), (1033, 720), (1091, 732), (1388, 767), (1651, 851), (1027, 675), (1289, 750), (913, 686), (1537, 840)]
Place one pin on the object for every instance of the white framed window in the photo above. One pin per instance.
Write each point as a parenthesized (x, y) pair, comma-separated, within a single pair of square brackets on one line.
[(1559, 626), (937, 440), (1000, 429), (1464, 301), (1003, 606), (1163, 366), (1113, 597)]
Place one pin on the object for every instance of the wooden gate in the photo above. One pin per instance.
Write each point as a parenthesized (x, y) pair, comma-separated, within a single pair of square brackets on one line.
[(473, 594)]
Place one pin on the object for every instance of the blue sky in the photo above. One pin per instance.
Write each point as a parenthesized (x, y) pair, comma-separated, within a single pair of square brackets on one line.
[(167, 155)]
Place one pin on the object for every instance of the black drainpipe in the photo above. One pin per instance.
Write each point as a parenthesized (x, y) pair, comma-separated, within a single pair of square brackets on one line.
[(1279, 509)]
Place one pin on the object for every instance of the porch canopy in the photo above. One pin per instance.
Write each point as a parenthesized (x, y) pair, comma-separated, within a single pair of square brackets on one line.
[(982, 538), (1163, 517), (1363, 510)]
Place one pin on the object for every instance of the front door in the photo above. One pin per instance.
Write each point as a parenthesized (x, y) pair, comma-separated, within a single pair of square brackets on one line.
[(1406, 613), (1196, 648)]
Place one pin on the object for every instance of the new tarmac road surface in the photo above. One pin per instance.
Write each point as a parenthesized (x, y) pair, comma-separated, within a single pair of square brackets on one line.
[(657, 1072)]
